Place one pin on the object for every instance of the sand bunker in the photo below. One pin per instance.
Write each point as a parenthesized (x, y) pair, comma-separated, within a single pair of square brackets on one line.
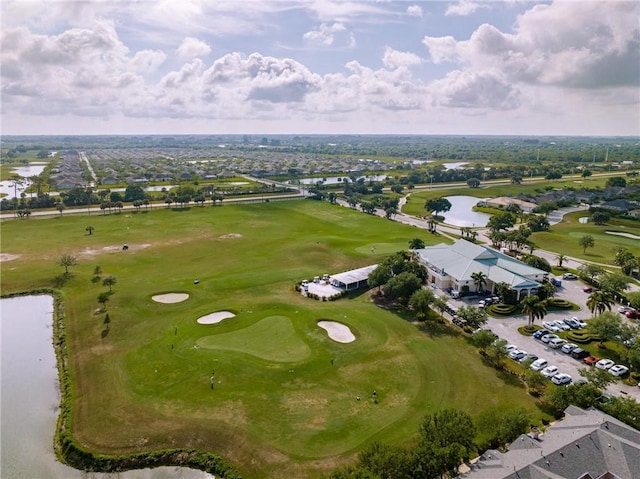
[(337, 331), (231, 236), (170, 298), (215, 318), (626, 235)]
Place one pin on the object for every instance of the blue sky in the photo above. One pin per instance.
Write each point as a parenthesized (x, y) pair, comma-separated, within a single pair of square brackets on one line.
[(320, 66)]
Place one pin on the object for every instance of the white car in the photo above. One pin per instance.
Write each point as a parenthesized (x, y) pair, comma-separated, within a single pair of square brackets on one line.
[(549, 371), (517, 355), (548, 337), (581, 322), (512, 347), (568, 348), (557, 343), (618, 370), (539, 364), (561, 379), (550, 326), (604, 364), (562, 325)]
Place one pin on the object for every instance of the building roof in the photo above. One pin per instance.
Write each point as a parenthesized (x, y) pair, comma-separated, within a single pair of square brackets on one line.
[(506, 201), (586, 444), (355, 275), (464, 258)]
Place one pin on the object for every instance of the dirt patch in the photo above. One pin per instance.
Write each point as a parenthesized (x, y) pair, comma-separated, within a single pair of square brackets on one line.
[(112, 249), (8, 257), (215, 318), (170, 298), (339, 332), (231, 236)]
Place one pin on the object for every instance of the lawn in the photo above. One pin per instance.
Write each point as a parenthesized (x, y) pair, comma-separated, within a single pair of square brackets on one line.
[(284, 397), (564, 237)]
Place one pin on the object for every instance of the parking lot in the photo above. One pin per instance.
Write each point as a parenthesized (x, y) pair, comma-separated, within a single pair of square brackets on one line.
[(507, 328)]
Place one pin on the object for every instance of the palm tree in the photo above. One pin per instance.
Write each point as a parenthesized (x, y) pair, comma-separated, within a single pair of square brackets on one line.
[(599, 301), (479, 280), (89, 229), (109, 281), (560, 257), (534, 307)]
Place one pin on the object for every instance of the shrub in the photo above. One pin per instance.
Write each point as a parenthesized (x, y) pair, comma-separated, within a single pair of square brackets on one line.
[(560, 303), (528, 331), (501, 309)]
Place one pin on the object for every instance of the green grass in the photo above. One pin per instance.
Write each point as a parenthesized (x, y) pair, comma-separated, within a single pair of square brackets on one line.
[(284, 401), (564, 237)]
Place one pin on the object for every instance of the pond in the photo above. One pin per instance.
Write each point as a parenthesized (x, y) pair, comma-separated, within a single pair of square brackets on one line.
[(30, 398), (462, 214), (334, 180), (32, 169), (454, 166)]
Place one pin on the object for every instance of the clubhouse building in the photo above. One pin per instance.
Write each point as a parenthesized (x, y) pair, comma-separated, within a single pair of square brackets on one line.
[(450, 268)]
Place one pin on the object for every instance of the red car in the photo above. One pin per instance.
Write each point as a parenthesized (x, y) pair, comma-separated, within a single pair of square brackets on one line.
[(591, 360), (587, 289), (632, 314)]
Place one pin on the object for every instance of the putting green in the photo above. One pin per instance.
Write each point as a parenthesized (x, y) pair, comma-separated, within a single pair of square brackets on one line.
[(272, 338)]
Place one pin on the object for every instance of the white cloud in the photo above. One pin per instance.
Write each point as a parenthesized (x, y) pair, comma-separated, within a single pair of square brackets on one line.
[(463, 8), (593, 46), (414, 11), (193, 48), (395, 59), (327, 35), (148, 60), (487, 89), (442, 49)]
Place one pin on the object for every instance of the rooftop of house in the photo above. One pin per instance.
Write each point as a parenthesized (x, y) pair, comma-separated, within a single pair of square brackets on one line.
[(586, 444)]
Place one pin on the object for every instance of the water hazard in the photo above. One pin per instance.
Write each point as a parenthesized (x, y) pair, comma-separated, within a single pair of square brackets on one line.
[(30, 399)]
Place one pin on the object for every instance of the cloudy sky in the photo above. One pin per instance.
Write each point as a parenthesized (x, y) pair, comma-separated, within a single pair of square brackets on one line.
[(320, 66)]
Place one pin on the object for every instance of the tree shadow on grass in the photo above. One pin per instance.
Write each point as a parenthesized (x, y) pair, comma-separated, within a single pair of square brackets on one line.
[(105, 332), (437, 329), (60, 280)]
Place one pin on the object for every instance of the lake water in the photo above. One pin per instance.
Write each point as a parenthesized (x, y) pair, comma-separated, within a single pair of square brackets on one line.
[(32, 169), (30, 399), (462, 214), (333, 180), (454, 166)]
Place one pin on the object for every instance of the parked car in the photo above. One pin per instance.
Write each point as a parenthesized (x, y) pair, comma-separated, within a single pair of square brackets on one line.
[(562, 325), (557, 343), (540, 332), (529, 357), (618, 370), (579, 353), (539, 364), (632, 314), (569, 276), (624, 309), (604, 364), (587, 289), (568, 348), (548, 337), (550, 326), (511, 347), (581, 322), (572, 323), (561, 378), (517, 355), (591, 360), (549, 371)]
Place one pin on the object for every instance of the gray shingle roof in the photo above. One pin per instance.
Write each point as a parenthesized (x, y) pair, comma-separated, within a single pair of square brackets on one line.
[(585, 444)]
